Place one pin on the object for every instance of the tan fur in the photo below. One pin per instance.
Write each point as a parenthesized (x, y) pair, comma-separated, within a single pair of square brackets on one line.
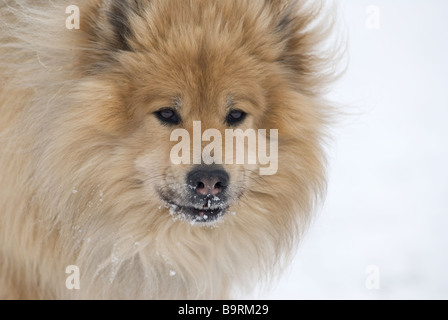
[(82, 156)]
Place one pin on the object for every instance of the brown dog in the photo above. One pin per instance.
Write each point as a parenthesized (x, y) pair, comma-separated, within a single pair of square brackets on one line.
[(86, 118)]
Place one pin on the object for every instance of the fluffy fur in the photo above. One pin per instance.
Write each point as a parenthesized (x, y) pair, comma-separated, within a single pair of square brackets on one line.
[(82, 157)]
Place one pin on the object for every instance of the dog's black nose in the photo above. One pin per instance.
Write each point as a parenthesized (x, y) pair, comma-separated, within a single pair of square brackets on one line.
[(208, 180)]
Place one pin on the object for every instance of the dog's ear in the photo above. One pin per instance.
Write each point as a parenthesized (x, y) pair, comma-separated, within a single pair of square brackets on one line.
[(109, 25), (118, 17), (301, 28), (283, 11)]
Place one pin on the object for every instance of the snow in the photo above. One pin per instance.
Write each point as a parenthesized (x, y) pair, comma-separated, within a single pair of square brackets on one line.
[(387, 204)]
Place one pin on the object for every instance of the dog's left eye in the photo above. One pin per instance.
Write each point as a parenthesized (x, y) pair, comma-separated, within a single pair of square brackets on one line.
[(168, 116), (235, 117)]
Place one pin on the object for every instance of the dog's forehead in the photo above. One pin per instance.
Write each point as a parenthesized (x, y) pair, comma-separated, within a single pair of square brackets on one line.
[(222, 100)]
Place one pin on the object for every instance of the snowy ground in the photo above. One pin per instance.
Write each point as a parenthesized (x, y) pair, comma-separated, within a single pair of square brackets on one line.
[(387, 204)]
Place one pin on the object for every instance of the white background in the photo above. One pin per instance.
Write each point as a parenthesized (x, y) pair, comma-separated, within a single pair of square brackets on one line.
[(387, 201)]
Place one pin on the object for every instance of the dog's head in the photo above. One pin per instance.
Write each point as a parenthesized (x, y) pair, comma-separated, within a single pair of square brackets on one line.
[(181, 75)]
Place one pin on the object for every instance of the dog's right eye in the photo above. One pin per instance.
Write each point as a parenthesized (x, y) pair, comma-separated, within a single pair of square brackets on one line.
[(235, 117), (168, 116)]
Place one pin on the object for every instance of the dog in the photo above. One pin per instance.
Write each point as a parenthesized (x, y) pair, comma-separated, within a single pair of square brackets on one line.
[(92, 205)]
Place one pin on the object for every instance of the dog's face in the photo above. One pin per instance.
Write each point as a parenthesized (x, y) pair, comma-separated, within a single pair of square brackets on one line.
[(203, 91)]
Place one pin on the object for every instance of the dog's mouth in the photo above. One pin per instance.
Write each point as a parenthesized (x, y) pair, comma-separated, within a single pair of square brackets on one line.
[(207, 213)]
